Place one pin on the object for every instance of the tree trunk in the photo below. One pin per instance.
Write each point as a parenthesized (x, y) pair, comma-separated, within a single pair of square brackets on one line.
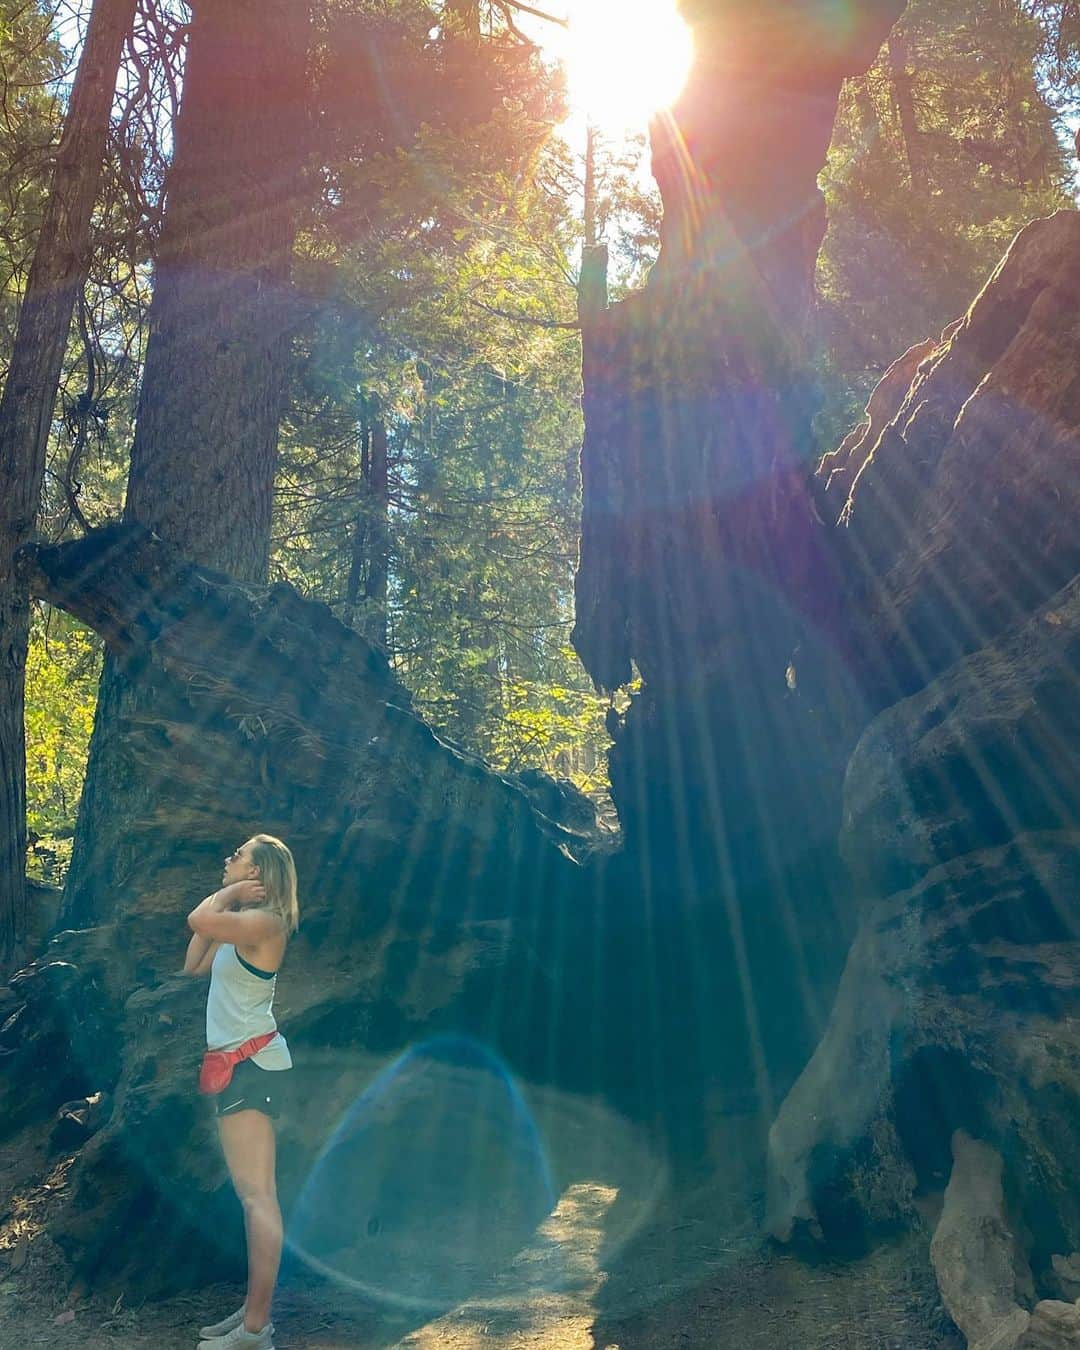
[(590, 186), (358, 560), (268, 709), (57, 275), (205, 449), (704, 567), (378, 561), (369, 570), (905, 109)]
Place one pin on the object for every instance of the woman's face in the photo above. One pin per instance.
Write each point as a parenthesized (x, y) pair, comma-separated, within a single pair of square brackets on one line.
[(238, 866)]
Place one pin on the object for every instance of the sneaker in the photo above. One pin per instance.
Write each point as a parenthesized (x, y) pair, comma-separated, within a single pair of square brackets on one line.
[(223, 1327), (239, 1338)]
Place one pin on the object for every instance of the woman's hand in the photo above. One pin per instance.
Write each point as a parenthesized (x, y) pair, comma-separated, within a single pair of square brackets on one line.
[(241, 893)]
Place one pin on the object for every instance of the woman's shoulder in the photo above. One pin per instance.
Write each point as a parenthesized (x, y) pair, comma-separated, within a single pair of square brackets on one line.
[(268, 953)]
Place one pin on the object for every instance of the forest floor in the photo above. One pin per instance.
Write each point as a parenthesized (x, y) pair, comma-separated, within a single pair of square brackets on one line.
[(679, 1281)]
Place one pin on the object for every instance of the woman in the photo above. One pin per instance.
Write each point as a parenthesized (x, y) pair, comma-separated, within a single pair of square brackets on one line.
[(239, 938)]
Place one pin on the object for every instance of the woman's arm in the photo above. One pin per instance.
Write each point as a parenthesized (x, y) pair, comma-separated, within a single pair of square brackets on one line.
[(201, 950), (199, 955), (216, 921)]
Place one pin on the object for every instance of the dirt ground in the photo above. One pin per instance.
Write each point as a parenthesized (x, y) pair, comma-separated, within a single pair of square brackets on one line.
[(676, 1279)]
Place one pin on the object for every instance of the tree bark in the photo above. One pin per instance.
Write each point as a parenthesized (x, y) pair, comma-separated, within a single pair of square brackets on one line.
[(699, 520), (590, 187), (360, 526), (905, 109), (57, 275), (437, 900), (369, 571), (205, 450), (378, 562)]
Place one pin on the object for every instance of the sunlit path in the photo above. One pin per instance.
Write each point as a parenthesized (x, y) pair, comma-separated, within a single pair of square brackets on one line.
[(545, 1298)]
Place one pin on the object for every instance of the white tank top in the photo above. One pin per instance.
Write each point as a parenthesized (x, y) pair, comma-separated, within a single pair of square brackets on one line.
[(239, 1006)]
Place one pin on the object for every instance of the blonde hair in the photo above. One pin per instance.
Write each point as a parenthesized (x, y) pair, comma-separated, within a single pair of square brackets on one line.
[(277, 872)]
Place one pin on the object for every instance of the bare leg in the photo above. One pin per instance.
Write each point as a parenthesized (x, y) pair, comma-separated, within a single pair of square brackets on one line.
[(247, 1139)]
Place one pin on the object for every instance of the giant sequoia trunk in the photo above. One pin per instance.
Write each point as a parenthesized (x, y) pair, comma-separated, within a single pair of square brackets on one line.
[(435, 899), (205, 449), (57, 275), (771, 615), (951, 1052), (705, 565), (698, 514)]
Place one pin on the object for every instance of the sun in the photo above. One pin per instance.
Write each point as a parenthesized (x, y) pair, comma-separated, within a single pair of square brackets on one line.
[(625, 60)]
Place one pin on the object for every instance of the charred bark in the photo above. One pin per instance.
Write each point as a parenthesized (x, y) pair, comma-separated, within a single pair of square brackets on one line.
[(699, 519), (436, 898), (925, 580), (952, 506), (57, 275)]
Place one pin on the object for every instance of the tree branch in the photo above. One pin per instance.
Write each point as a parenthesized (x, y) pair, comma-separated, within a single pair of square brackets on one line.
[(504, 5), (525, 318)]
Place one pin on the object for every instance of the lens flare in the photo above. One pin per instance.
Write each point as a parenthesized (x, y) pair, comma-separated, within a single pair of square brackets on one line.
[(625, 60), (435, 1178)]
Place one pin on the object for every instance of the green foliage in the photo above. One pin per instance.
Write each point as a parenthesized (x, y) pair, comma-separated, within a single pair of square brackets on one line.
[(444, 273), (87, 454), (90, 441), (62, 670), (455, 318), (628, 211), (557, 728), (945, 149), (30, 61), (1060, 56), (438, 267)]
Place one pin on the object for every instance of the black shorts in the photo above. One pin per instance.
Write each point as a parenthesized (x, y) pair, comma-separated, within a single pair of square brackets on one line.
[(252, 1089)]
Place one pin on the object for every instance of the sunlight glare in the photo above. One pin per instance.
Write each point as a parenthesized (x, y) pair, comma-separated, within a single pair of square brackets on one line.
[(625, 60)]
